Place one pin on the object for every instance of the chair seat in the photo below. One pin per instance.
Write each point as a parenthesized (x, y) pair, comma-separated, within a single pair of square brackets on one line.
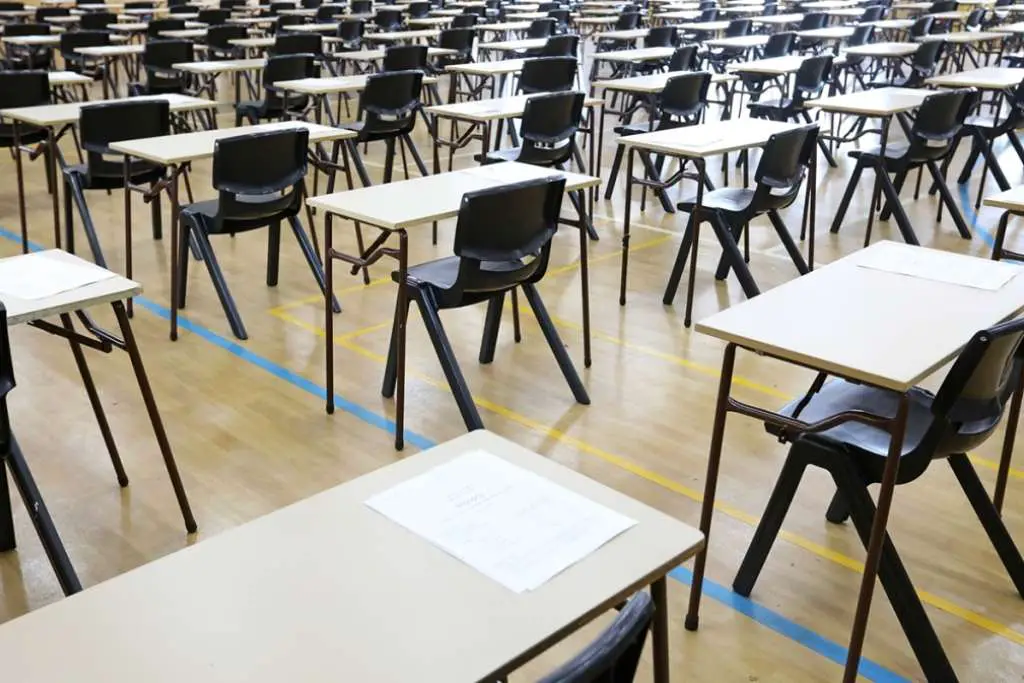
[(726, 199), (894, 154), (986, 123), (499, 155), (109, 175), (633, 129), (774, 105), (208, 210), (443, 273), (29, 135)]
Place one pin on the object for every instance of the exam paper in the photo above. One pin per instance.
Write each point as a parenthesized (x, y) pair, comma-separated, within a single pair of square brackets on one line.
[(38, 276), (940, 266), (506, 522)]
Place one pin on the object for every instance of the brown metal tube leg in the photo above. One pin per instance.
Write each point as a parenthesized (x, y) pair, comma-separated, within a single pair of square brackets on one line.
[(328, 313), (710, 484), (94, 401), (21, 189), (51, 170), (659, 594), (867, 586), (154, 414), (403, 267)]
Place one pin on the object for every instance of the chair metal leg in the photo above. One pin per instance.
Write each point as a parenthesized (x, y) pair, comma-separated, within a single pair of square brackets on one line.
[(273, 253), (156, 215), (492, 323), (734, 256), (680, 264), (990, 519), (517, 330), (219, 284), (555, 342), (838, 511), (609, 187), (897, 182), (8, 541), (899, 214), (844, 203), (415, 153), (450, 366), (771, 521), (88, 227), (389, 159), (312, 259), (787, 241), (41, 520), (387, 389), (947, 199)]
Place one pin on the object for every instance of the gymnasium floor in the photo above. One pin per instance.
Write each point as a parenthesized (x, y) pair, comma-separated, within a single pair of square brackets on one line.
[(250, 433)]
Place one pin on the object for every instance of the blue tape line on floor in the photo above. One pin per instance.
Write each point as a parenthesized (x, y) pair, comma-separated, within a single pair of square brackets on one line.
[(758, 613)]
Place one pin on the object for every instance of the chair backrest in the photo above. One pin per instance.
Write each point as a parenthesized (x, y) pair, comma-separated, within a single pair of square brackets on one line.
[(390, 101), (561, 17), (418, 10), (298, 44), (24, 89), (311, 4), (459, 39), (218, 39), (685, 58), (43, 13), (351, 32), (738, 27), (502, 225), (276, 7), (465, 21), (550, 122), (404, 58), (547, 6), (924, 63), (786, 159), (547, 74), (102, 124), (942, 6), (683, 99), (72, 40), (969, 404), (140, 4), (813, 20), (811, 78), (29, 29), (269, 166), (770, 9), (388, 19), (662, 36), (938, 122), (214, 17), (614, 655), (706, 15), (157, 26), (779, 44), (561, 46), (12, 7), (287, 68), (862, 35), (922, 26), (328, 13), (541, 28), (182, 9), (282, 22), (158, 58), (872, 13), (97, 21), (974, 19), (361, 6), (627, 21)]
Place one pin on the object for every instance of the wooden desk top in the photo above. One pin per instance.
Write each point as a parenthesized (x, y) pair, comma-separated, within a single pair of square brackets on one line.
[(642, 54), (430, 22), (961, 37), (501, 26), (883, 50), (111, 50), (593, 21), (417, 201), (1009, 200), (681, 15), (177, 149), (332, 85), (493, 109), (314, 28), (261, 42), (316, 612), (869, 325), (773, 66), (779, 19), (651, 83), (61, 78), (48, 115), (985, 78), (892, 24), (827, 33), (128, 27), (1015, 28), (185, 34), (51, 40), (103, 292), (708, 26), (214, 67), (395, 36), (845, 12), (629, 34), (376, 55), (514, 45), (502, 66), (878, 102), (738, 41), (709, 139)]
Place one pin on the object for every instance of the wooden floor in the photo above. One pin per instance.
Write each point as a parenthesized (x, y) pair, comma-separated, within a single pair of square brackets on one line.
[(248, 424)]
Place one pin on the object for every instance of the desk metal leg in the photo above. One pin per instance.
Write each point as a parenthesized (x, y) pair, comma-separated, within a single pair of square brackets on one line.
[(659, 632), (867, 587), (585, 278), (172, 194), (328, 313), (625, 226), (51, 170), (132, 348), (21, 188), (41, 520), (711, 484)]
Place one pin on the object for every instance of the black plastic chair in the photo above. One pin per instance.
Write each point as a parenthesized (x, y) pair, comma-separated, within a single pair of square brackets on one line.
[(811, 22), (351, 32), (214, 17), (297, 44), (627, 21), (974, 20), (158, 60), (547, 74), (326, 14), (923, 65), (540, 28), (848, 65), (680, 103), (100, 125), (361, 6), (719, 57), (27, 57), (404, 58), (779, 45), (276, 103), (23, 89), (465, 21), (787, 159), (685, 58), (872, 13), (932, 138), (560, 46), (284, 22), (459, 39), (561, 17), (82, 64), (311, 4), (44, 13), (502, 243), (418, 10), (550, 123), (921, 27), (662, 36), (260, 182), (388, 107), (614, 655), (97, 21), (218, 42), (961, 416), (231, 4), (809, 82), (984, 130), (183, 8), (388, 19), (942, 6), (156, 27)]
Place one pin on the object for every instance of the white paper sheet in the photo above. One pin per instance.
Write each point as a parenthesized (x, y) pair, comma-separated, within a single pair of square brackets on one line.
[(931, 264), (38, 276), (510, 524)]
